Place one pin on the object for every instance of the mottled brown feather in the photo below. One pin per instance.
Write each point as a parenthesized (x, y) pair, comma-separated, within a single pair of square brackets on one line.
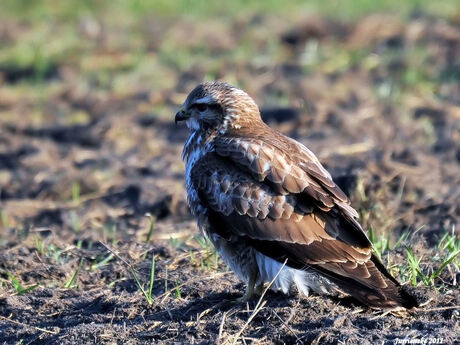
[(285, 163), (248, 182), (282, 227)]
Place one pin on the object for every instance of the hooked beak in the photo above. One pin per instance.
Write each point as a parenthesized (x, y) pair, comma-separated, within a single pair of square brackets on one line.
[(181, 116)]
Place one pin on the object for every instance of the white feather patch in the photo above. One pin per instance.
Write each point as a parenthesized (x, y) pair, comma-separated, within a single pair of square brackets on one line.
[(302, 279), (192, 124)]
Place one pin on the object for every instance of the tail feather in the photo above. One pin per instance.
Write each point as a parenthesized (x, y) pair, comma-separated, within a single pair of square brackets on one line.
[(369, 282), (379, 290)]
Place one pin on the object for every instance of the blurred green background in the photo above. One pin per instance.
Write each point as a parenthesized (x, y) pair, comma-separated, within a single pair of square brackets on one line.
[(126, 45), (344, 9)]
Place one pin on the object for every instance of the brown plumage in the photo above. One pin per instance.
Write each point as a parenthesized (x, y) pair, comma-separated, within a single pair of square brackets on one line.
[(264, 199)]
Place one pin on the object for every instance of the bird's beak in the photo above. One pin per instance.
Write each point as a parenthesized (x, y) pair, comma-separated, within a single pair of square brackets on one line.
[(181, 115)]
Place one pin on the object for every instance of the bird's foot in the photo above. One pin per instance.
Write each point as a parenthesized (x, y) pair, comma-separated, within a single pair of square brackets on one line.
[(244, 299), (250, 293), (259, 289)]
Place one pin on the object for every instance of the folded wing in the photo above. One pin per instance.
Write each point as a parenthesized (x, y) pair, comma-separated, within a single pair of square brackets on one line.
[(288, 207)]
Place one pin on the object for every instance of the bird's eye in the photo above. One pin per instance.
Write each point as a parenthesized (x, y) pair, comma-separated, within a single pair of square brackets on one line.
[(201, 107)]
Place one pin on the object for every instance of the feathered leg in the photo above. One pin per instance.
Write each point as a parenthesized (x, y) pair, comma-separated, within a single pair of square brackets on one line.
[(250, 288)]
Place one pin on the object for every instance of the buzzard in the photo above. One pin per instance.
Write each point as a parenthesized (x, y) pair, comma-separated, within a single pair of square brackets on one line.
[(264, 200)]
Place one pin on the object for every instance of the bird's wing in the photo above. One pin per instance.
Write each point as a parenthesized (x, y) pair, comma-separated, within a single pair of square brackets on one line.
[(253, 209), (285, 163), (290, 168), (286, 226)]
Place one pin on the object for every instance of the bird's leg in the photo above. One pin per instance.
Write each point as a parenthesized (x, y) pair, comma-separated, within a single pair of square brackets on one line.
[(249, 293), (259, 289)]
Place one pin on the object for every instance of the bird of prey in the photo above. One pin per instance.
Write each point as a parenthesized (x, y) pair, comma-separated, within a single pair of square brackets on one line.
[(270, 208)]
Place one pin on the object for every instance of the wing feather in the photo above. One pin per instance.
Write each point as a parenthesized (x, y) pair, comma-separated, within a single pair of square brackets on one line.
[(265, 214), (287, 226), (288, 165)]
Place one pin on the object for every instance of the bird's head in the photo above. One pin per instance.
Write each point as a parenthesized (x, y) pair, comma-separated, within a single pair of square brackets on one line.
[(218, 107)]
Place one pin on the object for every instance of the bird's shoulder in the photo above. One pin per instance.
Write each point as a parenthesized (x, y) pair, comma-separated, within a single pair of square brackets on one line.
[(283, 163)]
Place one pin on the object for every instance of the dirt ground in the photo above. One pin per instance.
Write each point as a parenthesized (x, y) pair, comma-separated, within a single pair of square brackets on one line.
[(89, 159)]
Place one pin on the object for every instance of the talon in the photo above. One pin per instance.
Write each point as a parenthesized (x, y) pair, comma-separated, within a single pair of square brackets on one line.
[(245, 298), (250, 290), (259, 289)]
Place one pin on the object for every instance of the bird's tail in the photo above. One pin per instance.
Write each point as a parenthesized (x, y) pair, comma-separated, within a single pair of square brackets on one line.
[(378, 290)]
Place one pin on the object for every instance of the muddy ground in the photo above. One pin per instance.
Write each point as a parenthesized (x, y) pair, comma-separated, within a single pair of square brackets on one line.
[(89, 155)]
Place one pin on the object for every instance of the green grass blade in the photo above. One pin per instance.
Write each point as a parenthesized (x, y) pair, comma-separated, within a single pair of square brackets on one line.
[(152, 276), (71, 282), (16, 284), (413, 265), (444, 264), (151, 228), (28, 289), (76, 192), (139, 285), (103, 262), (177, 292)]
